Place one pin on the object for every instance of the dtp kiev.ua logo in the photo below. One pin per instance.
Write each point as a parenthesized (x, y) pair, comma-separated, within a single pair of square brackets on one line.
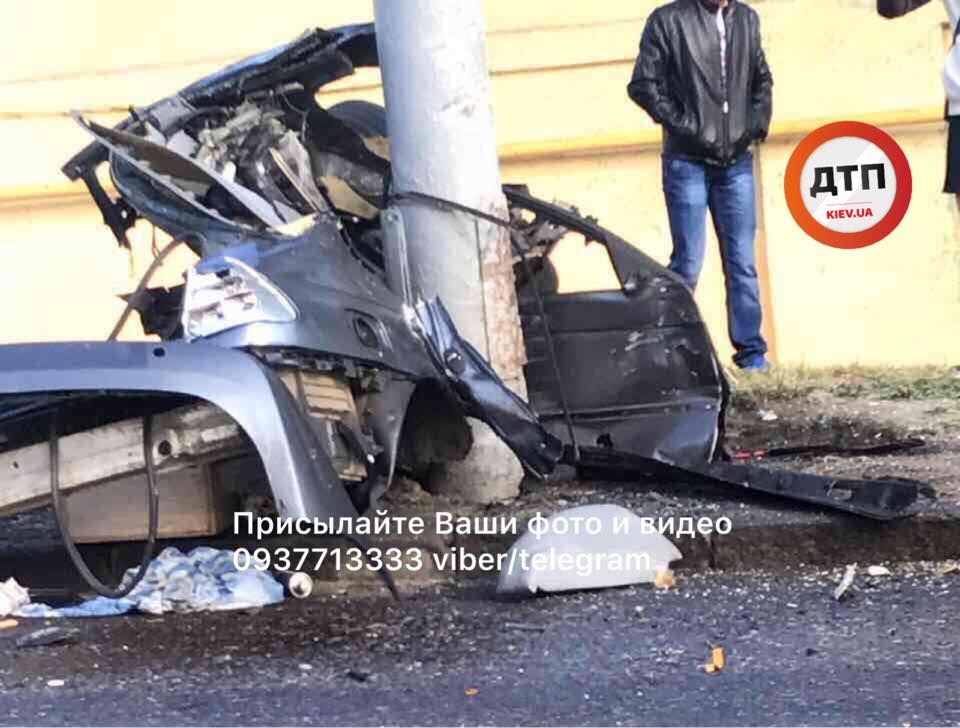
[(848, 184)]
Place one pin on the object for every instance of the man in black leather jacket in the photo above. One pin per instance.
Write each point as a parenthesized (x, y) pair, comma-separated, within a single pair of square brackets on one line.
[(702, 75), (951, 82)]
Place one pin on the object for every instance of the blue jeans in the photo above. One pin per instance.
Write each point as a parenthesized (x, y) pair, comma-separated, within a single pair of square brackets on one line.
[(690, 188)]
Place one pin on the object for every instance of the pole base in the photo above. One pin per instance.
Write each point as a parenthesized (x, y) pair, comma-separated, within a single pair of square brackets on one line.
[(490, 473)]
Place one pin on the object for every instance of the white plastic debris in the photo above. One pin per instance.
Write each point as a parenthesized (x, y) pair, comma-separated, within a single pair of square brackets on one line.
[(205, 580), (12, 597), (878, 571), (846, 582), (768, 415), (589, 547)]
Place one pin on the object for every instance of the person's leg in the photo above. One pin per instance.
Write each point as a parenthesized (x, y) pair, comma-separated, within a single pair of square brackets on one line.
[(685, 191), (733, 209)]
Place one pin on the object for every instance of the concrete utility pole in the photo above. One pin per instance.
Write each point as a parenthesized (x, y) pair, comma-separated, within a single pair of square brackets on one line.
[(442, 143)]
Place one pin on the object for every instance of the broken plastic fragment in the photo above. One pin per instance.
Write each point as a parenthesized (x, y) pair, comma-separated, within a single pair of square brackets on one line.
[(590, 547), (878, 571), (846, 582), (12, 597), (718, 661), (951, 567), (663, 579)]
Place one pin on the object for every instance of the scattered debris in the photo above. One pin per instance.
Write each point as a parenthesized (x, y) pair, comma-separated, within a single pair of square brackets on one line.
[(846, 582), (305, 667), (664, 579), (878, 571), (55, 683), (951, 567), (298, 585), (205, 580), (46, 636), (470, 692), (768, 415), (718, 661), (524, 627), (359, 675), (608, 547), (12, 597), (8, 624)]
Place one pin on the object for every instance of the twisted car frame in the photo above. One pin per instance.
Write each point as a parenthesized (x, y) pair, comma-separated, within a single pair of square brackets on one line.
[(296, 331)]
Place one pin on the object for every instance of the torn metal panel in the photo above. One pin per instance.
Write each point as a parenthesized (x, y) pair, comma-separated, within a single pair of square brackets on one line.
[(277, 83), (319, 56), (345, 310), (292, 159), (877, 499), (159, 310), (303, 480), (180, 174), (387, 408), (637, 369), (315, 58), (631, 383), (486, 396)]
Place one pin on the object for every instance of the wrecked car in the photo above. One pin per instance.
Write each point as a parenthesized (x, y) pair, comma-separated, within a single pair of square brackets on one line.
[(295, 335)]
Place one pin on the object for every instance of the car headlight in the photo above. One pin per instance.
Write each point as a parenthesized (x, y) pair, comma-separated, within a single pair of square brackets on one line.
[(231, 295)]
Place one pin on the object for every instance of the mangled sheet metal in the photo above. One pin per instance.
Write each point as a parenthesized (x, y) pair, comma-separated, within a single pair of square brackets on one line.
[(637, 370), (300, 292), (486, 397)]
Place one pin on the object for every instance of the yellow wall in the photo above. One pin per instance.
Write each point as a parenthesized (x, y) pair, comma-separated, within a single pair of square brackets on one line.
[(564, 124)]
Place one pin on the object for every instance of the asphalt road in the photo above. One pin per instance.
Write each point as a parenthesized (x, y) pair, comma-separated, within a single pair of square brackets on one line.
[(890, 654)]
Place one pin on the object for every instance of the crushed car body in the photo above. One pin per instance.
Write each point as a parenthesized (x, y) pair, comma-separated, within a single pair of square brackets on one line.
[(298, 323)]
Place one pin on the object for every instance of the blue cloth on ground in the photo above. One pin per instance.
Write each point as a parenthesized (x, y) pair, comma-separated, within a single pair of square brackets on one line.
[(204, 580)]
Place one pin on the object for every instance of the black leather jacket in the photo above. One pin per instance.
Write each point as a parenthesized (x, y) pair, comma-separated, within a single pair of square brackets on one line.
[(678, 79)]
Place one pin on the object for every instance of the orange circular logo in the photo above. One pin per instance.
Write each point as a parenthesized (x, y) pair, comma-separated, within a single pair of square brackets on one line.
[(848, 184)]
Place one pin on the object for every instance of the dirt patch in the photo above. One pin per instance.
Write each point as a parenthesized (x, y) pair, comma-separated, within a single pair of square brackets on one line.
[(826, 419)]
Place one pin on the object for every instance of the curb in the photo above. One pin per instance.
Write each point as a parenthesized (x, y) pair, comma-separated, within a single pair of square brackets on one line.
[(775, 546), (789, 540)]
